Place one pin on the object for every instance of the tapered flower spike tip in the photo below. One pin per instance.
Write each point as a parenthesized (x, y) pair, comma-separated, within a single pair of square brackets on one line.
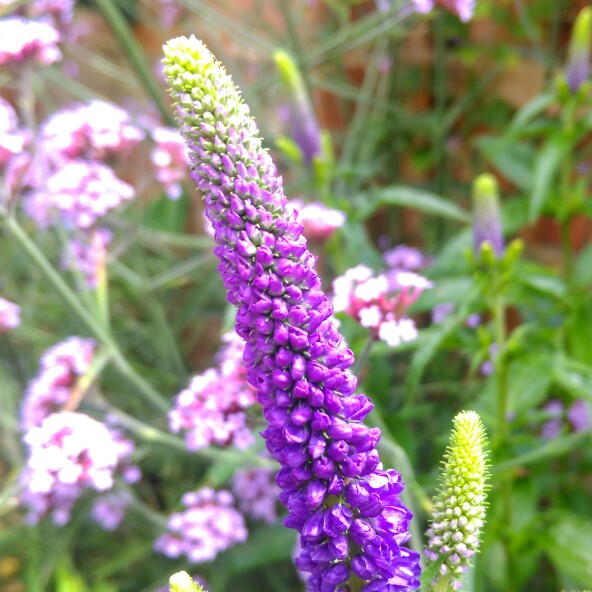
[(487, 226), (182, 582), (303, 121), (578, 64), (460, 503)]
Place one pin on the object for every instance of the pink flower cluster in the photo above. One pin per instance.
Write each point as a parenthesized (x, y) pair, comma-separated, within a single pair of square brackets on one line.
[(170, 158), (380, 302), (82, 192), (257, 493), (69, 454), (12, 140), (208, 525), (319, 221), (60, 368), (22, 40), (95, 130), (211, 410), (9, 315), (464, 9), (71, 185)]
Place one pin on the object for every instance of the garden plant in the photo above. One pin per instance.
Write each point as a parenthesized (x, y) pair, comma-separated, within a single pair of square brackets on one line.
[(295, 295)]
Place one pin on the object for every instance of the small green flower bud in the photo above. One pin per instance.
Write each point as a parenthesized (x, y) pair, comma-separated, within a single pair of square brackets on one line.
[(459, 506), (182, 582)]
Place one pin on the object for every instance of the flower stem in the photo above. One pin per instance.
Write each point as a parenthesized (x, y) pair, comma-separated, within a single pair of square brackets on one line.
[(74, 304)]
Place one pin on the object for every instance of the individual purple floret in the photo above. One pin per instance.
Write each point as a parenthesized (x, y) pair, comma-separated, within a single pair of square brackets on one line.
[(579, 415), (60, 367), (68, 454), (256, 493), (22, 40), (81, 192), (208, 525), (108, 510), (405, 258), (344, 504), (93, 130), (10, 315), (552, 427)]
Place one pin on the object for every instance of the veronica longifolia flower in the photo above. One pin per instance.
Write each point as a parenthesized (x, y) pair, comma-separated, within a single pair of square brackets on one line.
[(487, 226), (345, 506), (578, 67), (305, 127), (460, 503)]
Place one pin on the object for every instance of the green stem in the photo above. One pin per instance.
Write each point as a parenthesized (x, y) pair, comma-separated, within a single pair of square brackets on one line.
[(442, 584), (135, 55), (501, 379), (362, 359), (74, 304), (498, 311)]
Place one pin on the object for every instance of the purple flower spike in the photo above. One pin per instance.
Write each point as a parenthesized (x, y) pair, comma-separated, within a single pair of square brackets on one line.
[(294, 355)]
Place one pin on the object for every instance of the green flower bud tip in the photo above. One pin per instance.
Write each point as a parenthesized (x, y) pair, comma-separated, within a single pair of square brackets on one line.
[(578, 64), (487, 226), (459, 506), (288, 70), (304, 124), (182, 582)]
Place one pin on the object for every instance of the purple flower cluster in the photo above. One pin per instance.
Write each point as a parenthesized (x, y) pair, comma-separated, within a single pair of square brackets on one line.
[(256, 493), (211, 410), (108, 510), (345, 506), (578, 415), (68, 454), (208, 525), (24, 40), (60, 368), (10, 315)]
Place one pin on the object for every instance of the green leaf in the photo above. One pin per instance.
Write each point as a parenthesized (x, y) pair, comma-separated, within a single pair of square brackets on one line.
[(514, 160), (548, 285), (568, 544), (529, 112), (573, 376), (429, 573), (583, 268), (415, 199), (529, 382), (545, 170)]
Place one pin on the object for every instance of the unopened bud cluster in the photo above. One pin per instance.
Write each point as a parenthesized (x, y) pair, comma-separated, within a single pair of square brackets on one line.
[(460, 503)]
